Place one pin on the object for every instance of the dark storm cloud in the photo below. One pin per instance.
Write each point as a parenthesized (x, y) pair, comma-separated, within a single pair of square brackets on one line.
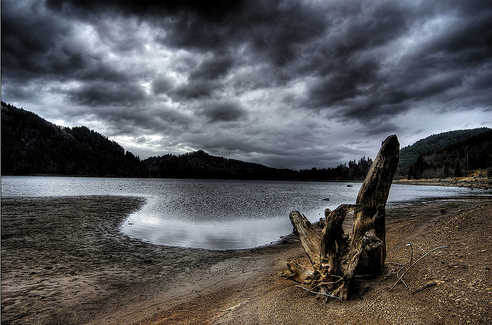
[(296, 38), (104, 94), (125, 121), (37, 46), (224, 112), (203, 80), (343, 83), (464, 40), (212, 69), (354, 78), (211, 10), (275, 29), (278, 31), (194, 89), (483, 81), (380, 127), (238, 76), (30, 44)]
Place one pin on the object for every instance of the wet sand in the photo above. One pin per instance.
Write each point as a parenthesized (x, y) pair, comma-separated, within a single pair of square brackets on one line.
[(64, 261)]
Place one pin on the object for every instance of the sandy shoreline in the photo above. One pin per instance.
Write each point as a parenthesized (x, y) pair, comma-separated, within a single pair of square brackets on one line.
[(64, 261), (470, 182)]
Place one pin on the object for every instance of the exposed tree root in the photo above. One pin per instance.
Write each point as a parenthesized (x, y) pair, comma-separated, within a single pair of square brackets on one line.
[(336, 257)]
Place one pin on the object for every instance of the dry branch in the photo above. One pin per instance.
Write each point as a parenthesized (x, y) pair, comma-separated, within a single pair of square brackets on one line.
[(411, 265), (319, 293), (425, 286)]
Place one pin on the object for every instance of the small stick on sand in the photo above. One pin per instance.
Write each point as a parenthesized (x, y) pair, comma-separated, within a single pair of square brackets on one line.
[(421, 257)]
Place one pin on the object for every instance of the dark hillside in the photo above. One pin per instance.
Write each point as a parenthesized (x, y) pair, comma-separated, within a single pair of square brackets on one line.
[(200, 164), (473, 153), (435, 143), (456, 159), (32, 145)]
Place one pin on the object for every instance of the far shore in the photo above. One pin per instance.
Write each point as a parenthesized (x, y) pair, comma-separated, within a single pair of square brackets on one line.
[(470, 182), (65, 261)]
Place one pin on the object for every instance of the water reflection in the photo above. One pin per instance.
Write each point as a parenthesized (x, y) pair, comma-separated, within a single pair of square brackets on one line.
[(209, 235), (215, 214)]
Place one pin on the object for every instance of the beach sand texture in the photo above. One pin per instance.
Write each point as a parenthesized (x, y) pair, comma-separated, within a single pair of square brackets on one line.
[(64, 261)]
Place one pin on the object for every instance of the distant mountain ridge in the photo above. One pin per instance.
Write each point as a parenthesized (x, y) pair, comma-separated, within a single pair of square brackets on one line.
[(200, 164), (33, 146)]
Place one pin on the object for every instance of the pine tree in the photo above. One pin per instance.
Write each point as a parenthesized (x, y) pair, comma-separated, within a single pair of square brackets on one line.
[(457, 170)]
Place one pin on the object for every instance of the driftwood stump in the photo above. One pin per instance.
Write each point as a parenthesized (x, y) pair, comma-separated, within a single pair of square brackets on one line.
[(337, 257)]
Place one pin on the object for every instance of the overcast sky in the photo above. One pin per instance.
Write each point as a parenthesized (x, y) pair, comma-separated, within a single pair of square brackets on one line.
[(295, 84)]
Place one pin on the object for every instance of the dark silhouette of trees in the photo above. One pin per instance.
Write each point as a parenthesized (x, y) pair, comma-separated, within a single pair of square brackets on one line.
[(356, 170), (200, 164), (475, 152), (417, 170), (457, 170), (436, 143), (32, 145)]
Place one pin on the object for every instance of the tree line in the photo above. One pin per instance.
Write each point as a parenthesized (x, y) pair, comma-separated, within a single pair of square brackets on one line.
[(34, 146), (435, 143), (455, 159)]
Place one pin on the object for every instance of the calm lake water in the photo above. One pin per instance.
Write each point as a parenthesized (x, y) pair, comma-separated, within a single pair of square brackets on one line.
[(215, 214)]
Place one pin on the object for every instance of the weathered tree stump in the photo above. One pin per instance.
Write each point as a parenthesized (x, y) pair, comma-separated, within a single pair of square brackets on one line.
[(336, 257)]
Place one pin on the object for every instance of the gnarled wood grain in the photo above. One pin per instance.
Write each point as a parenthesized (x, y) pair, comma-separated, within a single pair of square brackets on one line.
[(337, 257)]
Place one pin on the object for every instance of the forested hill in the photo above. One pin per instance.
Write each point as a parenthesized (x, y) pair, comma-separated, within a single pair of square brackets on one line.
[(200, 164), (32, 145), (435, 143), (450, 154)]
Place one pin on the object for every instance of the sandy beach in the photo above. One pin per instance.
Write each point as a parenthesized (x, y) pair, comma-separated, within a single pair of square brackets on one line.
[(474, 182), (64, 261)]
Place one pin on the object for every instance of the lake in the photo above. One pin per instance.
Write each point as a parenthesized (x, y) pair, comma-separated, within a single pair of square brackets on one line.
[(215, 214)]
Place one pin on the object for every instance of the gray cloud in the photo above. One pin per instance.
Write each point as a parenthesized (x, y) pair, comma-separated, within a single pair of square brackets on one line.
[(162, 85), (105, 93), (238, 77), (31, 44), (224, 112), (194, 89), (213, 69)]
